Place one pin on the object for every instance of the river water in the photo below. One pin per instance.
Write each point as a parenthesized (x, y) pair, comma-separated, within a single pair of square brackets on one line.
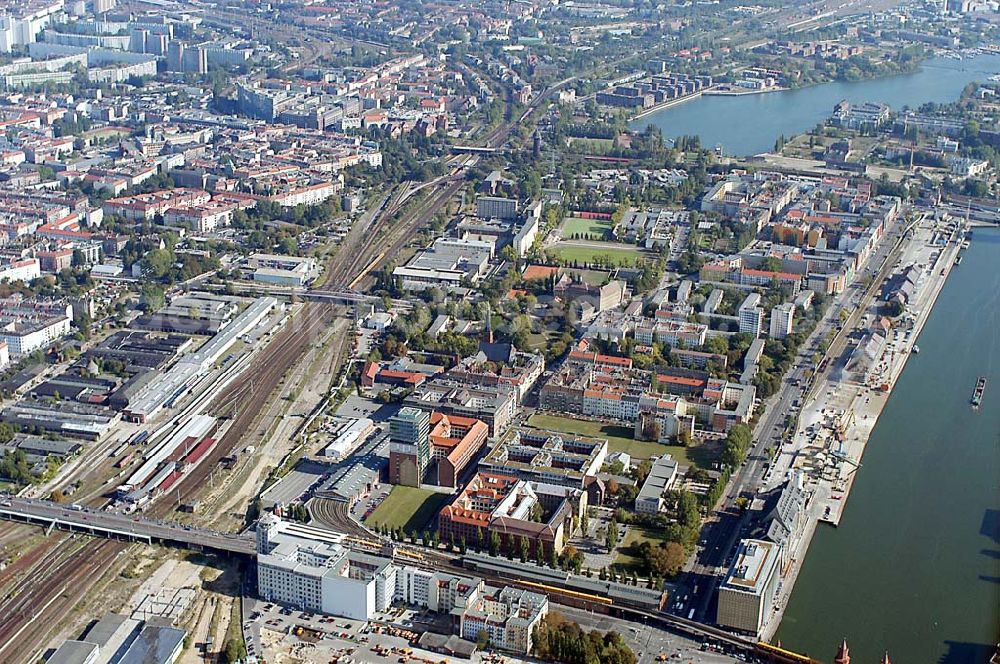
[(914, 567), (750, 124)]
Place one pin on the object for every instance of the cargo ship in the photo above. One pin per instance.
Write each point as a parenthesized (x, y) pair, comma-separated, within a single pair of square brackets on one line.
[(977, 394)]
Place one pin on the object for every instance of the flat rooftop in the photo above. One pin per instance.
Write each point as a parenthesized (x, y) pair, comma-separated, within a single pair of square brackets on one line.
[(753, 566)]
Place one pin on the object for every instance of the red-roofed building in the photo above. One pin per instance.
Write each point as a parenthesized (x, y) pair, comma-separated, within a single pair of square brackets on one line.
[(455, 442)]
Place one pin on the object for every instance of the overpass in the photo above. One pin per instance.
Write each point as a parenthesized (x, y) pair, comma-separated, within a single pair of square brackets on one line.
[(341, 296), (474, 149), (121, 526)]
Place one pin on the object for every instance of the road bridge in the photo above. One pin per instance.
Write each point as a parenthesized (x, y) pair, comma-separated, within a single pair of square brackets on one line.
[(121, 526)]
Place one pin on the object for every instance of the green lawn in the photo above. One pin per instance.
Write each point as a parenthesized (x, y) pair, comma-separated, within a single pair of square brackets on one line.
[(539, 341), (622, 256), (592, 227), (620, 439), (590, 145), (409, 508), (628, 551), (592, 277)]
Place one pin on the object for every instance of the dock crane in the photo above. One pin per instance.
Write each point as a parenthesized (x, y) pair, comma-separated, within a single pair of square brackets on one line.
[(841, 455)]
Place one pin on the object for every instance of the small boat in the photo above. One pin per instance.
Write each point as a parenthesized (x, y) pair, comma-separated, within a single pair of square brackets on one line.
[(916, 349), (977, 394), (958, 261)]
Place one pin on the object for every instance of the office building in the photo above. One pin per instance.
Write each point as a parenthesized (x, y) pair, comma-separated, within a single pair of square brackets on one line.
[(312, 569), (746, 596), (495, 207), (496, 405), (409, 449), (553, 458), (536, 515), (455, 442), (782, 319)]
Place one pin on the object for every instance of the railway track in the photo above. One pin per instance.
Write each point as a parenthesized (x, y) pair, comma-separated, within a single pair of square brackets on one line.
[(245, 400), (47, 593), (401, 233), (359, 253)]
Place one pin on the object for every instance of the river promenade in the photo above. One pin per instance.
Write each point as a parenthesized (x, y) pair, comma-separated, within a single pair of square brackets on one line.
[(844, 405), (913, 566)]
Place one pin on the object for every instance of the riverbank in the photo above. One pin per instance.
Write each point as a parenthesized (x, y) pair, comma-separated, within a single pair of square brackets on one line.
[(762, 118), (667, 104), (836, 424), (731, 92)]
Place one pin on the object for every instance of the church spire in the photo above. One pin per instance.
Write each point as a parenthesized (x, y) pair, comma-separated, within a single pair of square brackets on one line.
[(489, 323), (843, 654)]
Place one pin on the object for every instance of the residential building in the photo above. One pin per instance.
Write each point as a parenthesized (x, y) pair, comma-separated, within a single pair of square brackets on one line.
[(782, 319), (508, 616), (500, 366), (20, 270), (751, 315), (869, 115), (609, 388), (26, 334)]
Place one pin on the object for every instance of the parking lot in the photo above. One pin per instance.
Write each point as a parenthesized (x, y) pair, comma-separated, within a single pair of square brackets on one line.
[(364, 507)]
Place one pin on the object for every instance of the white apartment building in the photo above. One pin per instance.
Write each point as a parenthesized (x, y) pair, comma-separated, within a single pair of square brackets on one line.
[(21, 22), (782, 320), (311, 195), (203, 218), (26, 336), (21, 270), (751, 315)]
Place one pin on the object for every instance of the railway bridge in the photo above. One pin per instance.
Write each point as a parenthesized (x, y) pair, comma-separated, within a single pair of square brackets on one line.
[(121, 526)]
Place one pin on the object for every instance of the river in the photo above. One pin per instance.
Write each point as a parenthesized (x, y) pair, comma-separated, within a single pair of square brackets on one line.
[(914, 567), (750, 124)]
